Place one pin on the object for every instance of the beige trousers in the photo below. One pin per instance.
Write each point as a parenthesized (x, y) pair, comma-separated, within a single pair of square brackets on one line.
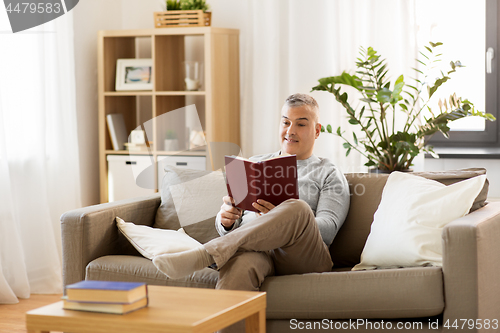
[(284, 241)]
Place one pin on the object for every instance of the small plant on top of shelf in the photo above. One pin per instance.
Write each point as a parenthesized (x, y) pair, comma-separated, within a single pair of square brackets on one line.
[(173, 5), (187, 5), (183, 13)]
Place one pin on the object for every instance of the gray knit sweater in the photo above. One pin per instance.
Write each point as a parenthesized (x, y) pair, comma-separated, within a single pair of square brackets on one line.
[(322, 185)]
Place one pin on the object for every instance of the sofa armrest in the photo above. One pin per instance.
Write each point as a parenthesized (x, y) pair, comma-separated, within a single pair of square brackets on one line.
[(89, 233), (471, 269)]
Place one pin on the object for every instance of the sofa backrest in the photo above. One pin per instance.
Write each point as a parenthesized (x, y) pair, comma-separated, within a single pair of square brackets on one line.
[(366, 193)]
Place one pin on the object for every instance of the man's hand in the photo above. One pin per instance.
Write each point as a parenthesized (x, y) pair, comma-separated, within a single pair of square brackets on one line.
[(263, 206), (228, 213)]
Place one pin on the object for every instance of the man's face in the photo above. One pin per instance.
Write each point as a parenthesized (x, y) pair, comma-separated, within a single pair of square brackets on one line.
[(298, 130)]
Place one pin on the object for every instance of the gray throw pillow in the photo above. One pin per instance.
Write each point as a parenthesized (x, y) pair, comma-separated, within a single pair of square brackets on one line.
[(191, 183)]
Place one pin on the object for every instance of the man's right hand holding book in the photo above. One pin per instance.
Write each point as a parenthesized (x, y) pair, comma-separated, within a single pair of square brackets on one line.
[(229, 213)]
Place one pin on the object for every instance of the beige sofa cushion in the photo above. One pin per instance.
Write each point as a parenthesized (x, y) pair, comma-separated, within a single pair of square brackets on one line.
[(389, 293), (366, 192), (139, 269)]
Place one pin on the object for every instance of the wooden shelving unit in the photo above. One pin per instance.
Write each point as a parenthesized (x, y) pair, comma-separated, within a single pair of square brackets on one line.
[(217, 103)]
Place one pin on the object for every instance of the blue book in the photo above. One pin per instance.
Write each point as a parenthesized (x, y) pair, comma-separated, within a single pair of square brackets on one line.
[(116, 308), (106, 291)]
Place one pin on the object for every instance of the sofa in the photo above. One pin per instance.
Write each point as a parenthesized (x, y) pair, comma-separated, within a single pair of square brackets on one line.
[(467, 286)]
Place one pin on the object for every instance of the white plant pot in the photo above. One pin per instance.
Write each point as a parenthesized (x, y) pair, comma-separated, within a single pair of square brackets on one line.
[(171, 145)]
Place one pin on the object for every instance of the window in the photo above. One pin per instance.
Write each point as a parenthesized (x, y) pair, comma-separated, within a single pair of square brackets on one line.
[(468, 30)]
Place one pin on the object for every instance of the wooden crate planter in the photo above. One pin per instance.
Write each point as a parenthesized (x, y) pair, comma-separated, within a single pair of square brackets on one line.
[(182, 18)]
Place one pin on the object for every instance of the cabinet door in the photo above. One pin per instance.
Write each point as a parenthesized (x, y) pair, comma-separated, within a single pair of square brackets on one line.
[(123, 172), (188, 162)]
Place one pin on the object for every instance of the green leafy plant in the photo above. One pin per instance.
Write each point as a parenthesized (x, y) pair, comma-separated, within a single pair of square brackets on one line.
[(385, 146), (170, 135), (173, 5), (187, 5)]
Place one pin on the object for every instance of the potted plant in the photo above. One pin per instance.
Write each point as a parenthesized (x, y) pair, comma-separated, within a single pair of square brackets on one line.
[(189, 13), (385, 145), (172, 5), (171, 143), (186, 5)]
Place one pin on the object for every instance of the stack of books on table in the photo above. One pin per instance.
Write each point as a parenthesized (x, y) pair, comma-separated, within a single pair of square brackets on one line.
[(106, 296)]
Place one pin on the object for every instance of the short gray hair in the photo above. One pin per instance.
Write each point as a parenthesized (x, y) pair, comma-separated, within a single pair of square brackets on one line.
[(296, 100), (300, 100)]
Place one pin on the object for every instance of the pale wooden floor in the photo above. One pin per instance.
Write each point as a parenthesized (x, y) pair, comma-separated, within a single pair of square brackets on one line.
[(12, 316)]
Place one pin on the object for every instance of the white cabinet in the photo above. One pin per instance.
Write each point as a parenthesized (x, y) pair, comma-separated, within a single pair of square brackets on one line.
[(188, 162), (130, 176)]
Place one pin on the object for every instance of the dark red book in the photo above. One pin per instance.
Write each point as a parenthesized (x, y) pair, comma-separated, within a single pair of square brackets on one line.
[(273, 180)]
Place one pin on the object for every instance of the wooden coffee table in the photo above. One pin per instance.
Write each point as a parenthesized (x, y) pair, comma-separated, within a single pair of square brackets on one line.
[(171, 309)]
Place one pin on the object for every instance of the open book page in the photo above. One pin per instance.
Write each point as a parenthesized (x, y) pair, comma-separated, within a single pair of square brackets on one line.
[(267, 159), (241, 158)]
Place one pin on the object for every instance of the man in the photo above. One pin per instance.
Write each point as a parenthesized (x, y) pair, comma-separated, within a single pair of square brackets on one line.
[(291, 238)]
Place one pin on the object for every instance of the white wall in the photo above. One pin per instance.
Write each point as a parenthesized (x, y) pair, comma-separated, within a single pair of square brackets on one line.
[(89, 17)]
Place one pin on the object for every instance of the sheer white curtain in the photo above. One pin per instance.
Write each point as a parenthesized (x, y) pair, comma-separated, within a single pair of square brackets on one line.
[(39, 169), (287, 45)]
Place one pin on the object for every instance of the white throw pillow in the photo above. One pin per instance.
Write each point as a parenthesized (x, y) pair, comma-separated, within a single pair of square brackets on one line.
[(198, 199), (407, 226), (193, 204), (151, 242)]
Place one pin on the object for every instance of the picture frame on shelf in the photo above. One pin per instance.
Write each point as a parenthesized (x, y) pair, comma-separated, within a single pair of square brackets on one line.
[(134, 74)]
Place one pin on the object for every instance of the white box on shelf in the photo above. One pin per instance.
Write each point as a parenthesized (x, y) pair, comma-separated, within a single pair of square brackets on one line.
[(188, 162), (123, 171)]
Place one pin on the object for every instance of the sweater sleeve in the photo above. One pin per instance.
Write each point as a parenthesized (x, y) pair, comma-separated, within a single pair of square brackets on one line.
[(333, 205)]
